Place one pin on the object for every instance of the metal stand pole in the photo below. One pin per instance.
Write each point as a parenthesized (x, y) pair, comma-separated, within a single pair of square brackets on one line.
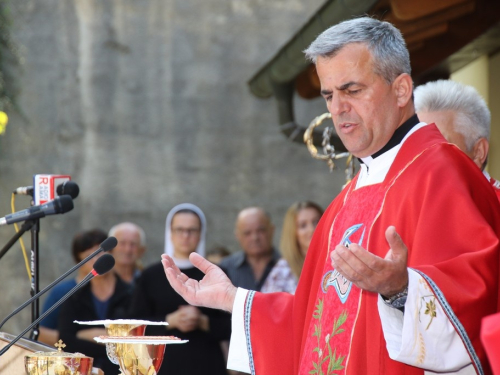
[(35, 285)]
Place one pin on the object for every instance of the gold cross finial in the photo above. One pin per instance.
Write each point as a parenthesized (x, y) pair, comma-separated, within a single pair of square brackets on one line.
[(59, 345)]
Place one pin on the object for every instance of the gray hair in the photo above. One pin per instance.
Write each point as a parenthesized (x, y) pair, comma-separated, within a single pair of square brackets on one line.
[(129, 226), (385, 42), (472, 114)]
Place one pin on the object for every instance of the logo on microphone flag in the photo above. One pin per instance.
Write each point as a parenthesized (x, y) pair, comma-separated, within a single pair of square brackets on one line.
[(45, 187)]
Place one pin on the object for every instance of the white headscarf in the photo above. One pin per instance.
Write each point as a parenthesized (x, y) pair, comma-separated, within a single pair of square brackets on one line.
[(169, 247)]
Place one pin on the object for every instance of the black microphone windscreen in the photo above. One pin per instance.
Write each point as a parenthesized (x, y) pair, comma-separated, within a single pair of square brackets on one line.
[(109, 243), (104, 264), (65, 204), (68, 188)]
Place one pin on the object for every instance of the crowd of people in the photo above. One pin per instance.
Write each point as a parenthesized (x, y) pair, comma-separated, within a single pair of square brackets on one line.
[(394, 277), (132, 291)]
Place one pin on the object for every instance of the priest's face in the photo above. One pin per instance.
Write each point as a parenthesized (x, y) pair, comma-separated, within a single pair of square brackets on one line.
[(364, 107), (186, 230)]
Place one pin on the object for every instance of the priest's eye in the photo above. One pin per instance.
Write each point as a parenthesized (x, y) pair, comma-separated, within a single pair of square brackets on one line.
[(354, 92)]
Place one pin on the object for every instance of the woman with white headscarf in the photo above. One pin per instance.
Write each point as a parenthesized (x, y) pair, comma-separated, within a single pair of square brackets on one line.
[(154, 299)]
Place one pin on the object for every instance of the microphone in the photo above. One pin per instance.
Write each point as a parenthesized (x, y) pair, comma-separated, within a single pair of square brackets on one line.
[(106, 245), (102, 265), (60, 205), (25, 190), (68, 188)]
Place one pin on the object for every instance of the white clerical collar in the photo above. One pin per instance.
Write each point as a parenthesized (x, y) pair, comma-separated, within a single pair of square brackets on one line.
[(374, 169)]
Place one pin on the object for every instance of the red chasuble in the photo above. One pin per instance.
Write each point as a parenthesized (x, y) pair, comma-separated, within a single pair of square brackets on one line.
[(447, 215)]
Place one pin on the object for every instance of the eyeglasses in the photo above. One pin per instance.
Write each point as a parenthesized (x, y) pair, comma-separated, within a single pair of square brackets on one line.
[(189, 231)]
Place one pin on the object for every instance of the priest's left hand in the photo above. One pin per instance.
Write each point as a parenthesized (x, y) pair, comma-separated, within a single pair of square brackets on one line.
[(386, 276)]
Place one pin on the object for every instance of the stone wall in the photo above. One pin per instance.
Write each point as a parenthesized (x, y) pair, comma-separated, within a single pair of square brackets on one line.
[(145, 104)]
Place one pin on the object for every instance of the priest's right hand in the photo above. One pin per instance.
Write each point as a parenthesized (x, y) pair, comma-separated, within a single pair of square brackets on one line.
[(215, 290)]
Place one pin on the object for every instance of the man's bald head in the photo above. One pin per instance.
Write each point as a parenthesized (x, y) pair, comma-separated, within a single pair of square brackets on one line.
[(131, 243), (255, 231)]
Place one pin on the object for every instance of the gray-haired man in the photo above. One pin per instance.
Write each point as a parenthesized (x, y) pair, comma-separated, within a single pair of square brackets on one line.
[(388, 285)]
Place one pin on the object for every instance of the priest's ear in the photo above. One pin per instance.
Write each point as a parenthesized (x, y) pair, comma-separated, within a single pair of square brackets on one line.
[(480, 152), (403, 88)]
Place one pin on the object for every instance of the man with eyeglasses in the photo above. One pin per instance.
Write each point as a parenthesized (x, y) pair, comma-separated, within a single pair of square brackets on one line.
[(155, 300), (250, 267)]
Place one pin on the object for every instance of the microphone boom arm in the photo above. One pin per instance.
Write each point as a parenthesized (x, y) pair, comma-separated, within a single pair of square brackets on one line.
[(106, 245), (53, 307), (24, 228)]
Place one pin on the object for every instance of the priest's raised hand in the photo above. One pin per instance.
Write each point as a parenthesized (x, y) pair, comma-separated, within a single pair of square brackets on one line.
[(386, 276), (215, 290)]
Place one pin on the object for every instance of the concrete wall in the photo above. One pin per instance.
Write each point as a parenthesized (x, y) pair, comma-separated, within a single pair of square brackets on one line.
[(145, 104), (494, 101)]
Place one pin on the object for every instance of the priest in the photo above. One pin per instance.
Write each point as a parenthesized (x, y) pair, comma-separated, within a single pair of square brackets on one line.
[(403, 264)]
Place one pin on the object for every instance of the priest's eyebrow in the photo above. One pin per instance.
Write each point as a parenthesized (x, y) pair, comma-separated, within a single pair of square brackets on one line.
[(344, 87)]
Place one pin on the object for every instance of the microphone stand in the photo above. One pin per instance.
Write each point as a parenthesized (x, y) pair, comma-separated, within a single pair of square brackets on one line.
[(33, 225), (35, 280)]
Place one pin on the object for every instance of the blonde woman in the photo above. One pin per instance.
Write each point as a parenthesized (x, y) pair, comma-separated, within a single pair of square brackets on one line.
[(298, 228)]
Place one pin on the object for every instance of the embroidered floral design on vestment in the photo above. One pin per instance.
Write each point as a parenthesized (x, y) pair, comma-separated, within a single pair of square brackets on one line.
[(324, 348), (430, 309)]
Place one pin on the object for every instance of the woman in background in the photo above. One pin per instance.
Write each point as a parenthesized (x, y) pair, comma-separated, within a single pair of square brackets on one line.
[(154, 299), (298, 228)]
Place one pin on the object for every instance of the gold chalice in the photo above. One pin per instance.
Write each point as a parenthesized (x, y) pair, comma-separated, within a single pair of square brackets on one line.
[(139, 355), (122, 328)]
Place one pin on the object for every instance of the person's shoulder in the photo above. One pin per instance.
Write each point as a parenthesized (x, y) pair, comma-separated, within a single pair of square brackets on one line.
[(63, 287), (443, 170), (282, 263), (232, 260), (152, 268), (151, 272), (60, 290), (442, 160)]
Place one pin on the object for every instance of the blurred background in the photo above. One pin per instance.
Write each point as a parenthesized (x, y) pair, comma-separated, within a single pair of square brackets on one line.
[(152, 103)]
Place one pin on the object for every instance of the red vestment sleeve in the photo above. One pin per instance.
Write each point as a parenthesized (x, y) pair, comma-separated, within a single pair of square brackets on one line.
[(272, 334)]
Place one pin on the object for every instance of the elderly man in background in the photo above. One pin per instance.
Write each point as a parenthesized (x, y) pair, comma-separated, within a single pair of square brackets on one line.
[(461, 115), (131, 247), (250, 267)]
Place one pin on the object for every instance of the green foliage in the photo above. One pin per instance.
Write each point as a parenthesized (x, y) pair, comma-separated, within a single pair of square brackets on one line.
[(324, 350), (8, 53)]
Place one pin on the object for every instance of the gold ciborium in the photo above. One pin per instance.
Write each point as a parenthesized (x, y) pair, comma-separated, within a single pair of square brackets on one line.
[(58, 363), (139, 355), (122, 328)]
